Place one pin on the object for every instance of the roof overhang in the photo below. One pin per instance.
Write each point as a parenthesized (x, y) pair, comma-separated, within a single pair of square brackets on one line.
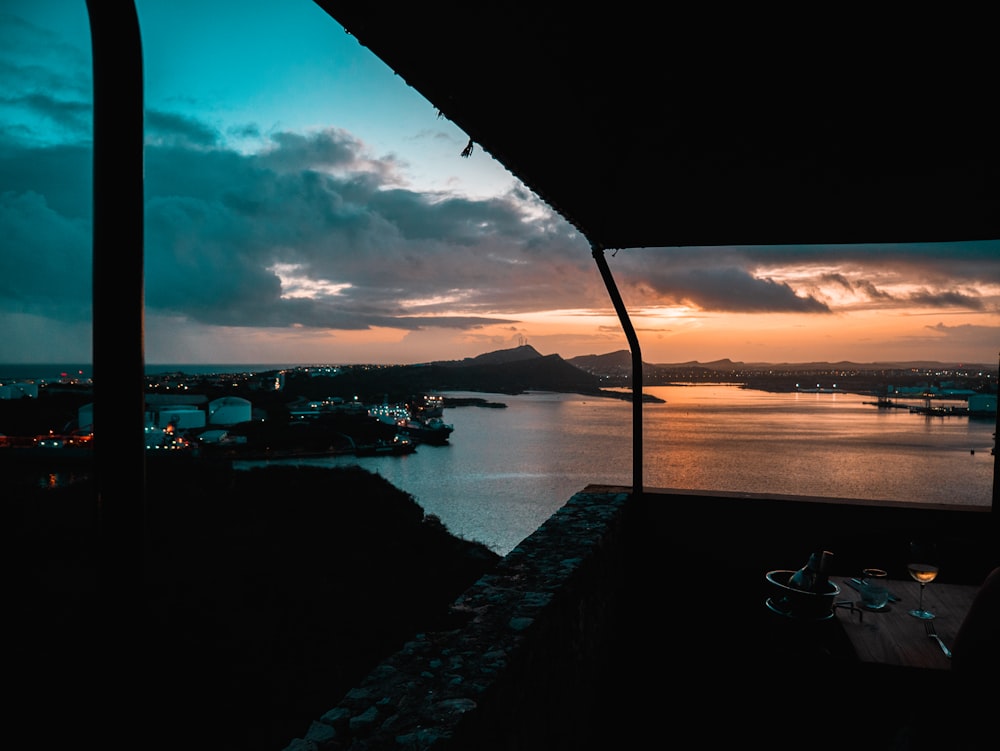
[(647, 129)]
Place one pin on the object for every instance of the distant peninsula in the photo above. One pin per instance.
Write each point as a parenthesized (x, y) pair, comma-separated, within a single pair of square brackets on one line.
[(521, 369)]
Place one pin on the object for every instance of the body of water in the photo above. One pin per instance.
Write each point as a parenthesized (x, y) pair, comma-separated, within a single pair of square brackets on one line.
[(506, 471)]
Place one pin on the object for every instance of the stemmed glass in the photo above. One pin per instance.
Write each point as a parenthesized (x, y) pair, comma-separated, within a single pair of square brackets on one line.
[(923, 568)]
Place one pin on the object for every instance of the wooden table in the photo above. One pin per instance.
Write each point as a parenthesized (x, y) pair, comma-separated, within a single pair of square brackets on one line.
[(894, 637)]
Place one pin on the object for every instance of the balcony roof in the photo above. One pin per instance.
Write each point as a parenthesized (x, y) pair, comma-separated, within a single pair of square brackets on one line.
[(646, 128)]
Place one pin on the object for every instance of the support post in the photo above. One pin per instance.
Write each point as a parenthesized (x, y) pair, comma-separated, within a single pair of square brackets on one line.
[(118, 306), (995, 509), (633, 343)]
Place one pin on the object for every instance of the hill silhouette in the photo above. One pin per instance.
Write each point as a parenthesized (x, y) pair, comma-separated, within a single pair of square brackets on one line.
[(615, 369), (510, 371), (525, 352), (623, 359)]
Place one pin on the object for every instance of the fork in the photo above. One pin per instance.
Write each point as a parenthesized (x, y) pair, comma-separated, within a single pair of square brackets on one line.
[(932, 632)]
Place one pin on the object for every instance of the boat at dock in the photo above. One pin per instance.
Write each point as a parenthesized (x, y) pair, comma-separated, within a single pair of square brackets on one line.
[(432, 430), (422, 423), (390, 414)]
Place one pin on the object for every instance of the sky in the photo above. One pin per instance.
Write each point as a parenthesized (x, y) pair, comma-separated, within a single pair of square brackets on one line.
[(305, 206)]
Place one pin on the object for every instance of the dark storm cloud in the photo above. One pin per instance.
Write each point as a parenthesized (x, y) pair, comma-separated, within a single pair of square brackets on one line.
[(331, 149), (839, 280), (949, 299), (222, 228), (737, 279), (71, 117), (863, 287), (61, 175), (57, 285), (48, 99), (60, 64), (736, 291), (174, 128), (725, 287), (871, 291), (945, 263)]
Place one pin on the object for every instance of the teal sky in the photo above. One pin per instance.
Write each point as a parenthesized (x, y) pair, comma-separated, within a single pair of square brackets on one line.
[(303, 205), (253, 69)]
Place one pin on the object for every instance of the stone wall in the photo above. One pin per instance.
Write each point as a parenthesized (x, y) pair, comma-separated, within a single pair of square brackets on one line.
[(514, 673)]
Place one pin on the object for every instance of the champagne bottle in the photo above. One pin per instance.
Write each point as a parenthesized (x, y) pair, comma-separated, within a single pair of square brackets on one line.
[(805, 577), (821, 582)]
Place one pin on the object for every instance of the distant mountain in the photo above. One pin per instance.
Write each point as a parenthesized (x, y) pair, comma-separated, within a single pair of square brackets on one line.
[(515, 371), (622, 359), (509, 371), (822, 365), (615, 369), (499, 357)]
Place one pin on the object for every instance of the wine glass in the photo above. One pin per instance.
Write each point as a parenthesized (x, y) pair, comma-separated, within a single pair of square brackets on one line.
[(923, 569)]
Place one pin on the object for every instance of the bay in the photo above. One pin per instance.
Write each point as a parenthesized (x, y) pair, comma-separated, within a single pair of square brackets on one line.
[(505, 471)]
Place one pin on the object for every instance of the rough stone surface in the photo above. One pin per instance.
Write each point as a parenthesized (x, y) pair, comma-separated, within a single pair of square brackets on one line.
[(431, 694)]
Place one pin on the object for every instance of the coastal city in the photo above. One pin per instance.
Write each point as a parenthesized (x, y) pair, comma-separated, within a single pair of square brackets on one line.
[(376, 410), (223, 416)]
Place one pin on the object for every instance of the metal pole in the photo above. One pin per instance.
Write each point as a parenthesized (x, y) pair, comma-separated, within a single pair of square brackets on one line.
[(996, 461), (118, 303), (633, 342)]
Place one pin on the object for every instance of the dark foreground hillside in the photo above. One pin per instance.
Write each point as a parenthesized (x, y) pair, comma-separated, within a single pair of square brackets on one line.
[(267, 595)]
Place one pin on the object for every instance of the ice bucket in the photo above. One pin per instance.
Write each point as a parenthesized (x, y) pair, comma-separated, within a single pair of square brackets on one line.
[(797, 603)]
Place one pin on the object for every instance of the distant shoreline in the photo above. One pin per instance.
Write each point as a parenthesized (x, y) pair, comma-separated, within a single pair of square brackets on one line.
[(871, 379), (54, 370)]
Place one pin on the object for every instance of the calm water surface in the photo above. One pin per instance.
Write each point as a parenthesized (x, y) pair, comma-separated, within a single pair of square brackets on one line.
[(507, 470)]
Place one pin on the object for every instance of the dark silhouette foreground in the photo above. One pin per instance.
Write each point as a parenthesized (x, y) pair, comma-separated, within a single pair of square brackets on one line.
[(268, 594)]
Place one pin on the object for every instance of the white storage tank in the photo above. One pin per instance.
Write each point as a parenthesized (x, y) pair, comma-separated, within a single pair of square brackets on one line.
[(229, 410), (85, 417), (182, 416)]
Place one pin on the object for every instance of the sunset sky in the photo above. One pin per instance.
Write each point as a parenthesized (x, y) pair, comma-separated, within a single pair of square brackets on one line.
[(304, 205)]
